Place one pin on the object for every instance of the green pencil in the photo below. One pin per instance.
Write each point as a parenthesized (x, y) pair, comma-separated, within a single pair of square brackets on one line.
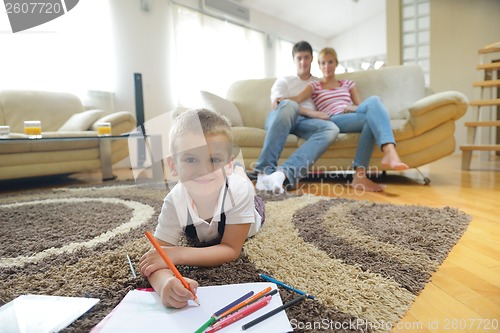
[(205, 326)]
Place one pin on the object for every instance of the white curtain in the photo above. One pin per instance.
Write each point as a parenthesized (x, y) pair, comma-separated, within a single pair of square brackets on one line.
[(73, 53), (284, 61), (212, 53)]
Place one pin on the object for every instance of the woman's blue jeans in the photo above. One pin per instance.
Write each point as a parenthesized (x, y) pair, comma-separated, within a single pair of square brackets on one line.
[(372, 120)]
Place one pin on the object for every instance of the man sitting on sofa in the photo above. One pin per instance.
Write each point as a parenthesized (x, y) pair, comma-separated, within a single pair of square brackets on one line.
[(288, 117)]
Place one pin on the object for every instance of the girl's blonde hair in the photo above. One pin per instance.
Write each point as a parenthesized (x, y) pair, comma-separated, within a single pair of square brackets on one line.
[(211, 122), (325, 51)]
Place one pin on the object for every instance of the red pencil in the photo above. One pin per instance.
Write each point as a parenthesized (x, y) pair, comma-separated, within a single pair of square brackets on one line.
[(240, 314), (170, 264)]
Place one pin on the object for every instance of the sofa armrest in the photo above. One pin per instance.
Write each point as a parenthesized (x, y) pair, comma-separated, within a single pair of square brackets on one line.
[(121, 122), (434, 110)]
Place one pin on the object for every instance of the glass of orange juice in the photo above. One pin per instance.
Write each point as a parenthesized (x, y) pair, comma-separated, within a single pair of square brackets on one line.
[(33, 129), (104, 128)]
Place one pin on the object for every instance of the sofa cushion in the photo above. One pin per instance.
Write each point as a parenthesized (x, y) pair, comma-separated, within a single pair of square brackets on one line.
[(222, 106), (121, 122), (81, 121), (398, 87), (253, 100), (51, 108), (254, 137)]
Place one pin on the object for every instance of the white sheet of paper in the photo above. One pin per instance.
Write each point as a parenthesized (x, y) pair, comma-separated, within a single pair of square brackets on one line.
[(42, 313), (142, 311)]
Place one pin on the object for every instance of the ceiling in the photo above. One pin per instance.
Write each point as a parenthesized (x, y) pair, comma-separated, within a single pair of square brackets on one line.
[(324, 18)]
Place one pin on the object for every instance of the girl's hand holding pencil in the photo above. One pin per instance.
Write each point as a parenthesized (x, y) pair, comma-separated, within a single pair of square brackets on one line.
[(175, 295), (170, 293)]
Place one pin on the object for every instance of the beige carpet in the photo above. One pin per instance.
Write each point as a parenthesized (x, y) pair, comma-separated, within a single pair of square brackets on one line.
[(364, 262)]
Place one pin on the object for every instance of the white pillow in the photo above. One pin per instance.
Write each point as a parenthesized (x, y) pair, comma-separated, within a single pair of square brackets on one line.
[(81, 121), (222, 106)]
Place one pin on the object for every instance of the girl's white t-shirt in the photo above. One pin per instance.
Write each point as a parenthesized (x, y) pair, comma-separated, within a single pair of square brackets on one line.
[(239, 208)]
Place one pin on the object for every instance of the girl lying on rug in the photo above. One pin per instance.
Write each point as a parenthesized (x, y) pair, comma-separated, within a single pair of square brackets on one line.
[(214, 204)]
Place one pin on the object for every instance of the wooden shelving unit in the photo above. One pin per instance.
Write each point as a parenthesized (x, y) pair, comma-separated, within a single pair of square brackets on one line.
[(491, 81)]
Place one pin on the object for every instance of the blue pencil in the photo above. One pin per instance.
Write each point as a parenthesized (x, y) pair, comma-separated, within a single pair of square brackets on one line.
[(230, 305), (284, 285)]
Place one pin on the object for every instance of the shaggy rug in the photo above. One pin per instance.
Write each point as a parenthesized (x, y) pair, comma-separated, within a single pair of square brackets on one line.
[(364, 262)]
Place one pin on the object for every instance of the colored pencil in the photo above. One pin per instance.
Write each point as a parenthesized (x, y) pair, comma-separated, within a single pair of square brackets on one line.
[(243, 303), (231, 305), (170, 264), (205, 326), (284, 285), (272, 312), (246, 311), (131, 267), (215, 317)]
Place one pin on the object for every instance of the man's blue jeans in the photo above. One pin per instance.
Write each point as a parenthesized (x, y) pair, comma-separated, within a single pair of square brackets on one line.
[(318, 133), (372, 120)]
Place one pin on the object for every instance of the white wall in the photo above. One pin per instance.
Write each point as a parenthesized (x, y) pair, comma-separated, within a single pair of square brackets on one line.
[(368, 39), (141, 46), (459, 28), (142, 41)]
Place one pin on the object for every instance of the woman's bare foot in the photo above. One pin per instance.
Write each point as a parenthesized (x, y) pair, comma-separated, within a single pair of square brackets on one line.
[(361, 182), (391, 158)]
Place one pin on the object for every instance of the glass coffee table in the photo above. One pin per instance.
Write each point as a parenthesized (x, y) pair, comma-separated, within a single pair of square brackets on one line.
[(105, 152)]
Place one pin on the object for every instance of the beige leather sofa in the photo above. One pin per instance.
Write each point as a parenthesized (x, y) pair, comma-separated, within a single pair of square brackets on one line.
[(61, 115), (423, 125)]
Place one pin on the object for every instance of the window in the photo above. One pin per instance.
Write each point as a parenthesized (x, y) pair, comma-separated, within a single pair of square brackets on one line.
[(212, 53), (284, 52), (415, 34), (73, 53)]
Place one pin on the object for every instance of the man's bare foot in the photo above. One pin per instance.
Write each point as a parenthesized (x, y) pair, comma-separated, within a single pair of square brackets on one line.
[(366, 184), (391, 158)]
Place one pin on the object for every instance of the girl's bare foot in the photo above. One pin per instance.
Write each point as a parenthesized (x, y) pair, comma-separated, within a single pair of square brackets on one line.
[(391, 158), (361, 182)]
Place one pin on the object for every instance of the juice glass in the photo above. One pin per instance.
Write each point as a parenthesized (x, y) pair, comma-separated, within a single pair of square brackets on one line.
[(104, 128), (33, 129)]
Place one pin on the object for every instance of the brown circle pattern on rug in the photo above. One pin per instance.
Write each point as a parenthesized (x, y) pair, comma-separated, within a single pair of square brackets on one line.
[(51, 225), (364, 262), (56, 224)]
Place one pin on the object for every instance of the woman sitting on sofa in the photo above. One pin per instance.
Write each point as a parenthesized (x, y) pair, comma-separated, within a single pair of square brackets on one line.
[(340, 100)]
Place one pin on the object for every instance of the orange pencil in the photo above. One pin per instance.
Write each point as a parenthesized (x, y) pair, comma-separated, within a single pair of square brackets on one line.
[(170, 264), (245, 302)]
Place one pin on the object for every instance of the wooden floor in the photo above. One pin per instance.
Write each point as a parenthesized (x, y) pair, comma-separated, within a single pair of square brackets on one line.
[(464, 294)]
